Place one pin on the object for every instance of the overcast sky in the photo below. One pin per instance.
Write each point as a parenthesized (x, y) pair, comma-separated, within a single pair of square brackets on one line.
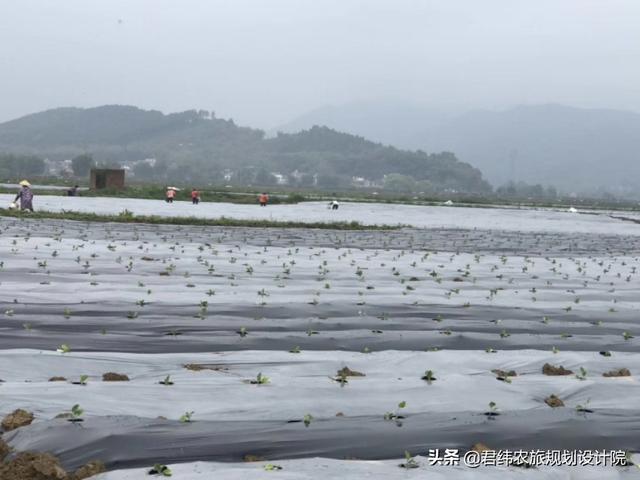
[(264, 62)]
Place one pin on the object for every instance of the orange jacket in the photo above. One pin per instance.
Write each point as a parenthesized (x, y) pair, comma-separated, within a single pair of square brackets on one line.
[(264, 198), (171, 193)]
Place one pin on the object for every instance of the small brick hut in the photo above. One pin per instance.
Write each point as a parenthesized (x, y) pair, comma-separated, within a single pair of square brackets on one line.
[(106, 178)]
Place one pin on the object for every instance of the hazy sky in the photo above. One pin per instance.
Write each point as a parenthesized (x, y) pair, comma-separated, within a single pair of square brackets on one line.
[(263, 62)]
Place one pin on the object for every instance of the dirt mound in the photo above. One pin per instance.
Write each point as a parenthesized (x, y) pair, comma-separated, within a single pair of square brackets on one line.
[(549, 369), (347, 372), (197, 367), (4, 449), (553, 401), (114, 377), (89, 470), (252, 458), (44, 466), (480, 447), (33, 466), (621, 372), (19, 418)]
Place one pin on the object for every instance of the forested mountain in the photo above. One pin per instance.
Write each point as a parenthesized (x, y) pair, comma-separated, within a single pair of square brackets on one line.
[(575, 149), (195, 145)]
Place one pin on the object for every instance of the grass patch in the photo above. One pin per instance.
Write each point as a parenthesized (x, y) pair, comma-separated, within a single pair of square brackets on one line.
[(128, 217)]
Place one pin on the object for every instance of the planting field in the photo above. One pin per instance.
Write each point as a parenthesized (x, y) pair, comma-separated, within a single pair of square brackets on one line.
[(230, 352)]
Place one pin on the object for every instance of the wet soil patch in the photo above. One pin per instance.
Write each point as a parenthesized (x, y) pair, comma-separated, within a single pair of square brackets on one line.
[(548, 369), (16, 419), (620, 372), (114, 377)]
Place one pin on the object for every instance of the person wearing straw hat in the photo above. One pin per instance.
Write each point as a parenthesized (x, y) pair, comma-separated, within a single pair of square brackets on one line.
[(171, 194), (25, 195)]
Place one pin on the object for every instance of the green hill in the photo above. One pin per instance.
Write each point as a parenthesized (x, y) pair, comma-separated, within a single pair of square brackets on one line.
[(197, 146)]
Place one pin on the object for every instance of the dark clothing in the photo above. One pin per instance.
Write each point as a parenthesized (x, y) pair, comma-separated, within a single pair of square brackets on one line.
[(72, 192), (26, 199), (195, 200)]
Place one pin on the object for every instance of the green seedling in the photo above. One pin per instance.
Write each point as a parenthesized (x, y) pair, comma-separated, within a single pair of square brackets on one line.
[(295, 349), (76, 413), (396, 416), (64, 348), (409, 461), (582, 375), (270, 467), (260, 380), (186, 417), (162, 470), (242, 332), (493, 410), (429, 377), (307, 419), (584, 408), (167, 381)]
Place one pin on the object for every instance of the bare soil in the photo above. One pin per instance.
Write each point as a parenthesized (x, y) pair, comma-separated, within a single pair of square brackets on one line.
[(19, 418)]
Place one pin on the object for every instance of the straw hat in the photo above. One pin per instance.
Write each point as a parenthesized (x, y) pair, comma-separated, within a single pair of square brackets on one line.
[(25, 183)]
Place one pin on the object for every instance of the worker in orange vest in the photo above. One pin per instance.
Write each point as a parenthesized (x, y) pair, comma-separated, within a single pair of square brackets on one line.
[(195, 196), (171, 194), (263, 199)]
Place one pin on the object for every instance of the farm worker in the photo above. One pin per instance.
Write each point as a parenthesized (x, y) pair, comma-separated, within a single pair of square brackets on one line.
[(73, 191), (171, 194), (263, 199), (334, 205), (195, 196), (25, 195)]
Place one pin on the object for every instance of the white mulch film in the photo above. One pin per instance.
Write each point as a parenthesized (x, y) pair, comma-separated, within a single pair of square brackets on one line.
[(147, 300)]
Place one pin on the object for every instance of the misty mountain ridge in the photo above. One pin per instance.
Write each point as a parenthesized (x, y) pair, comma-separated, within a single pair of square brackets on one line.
[(575, 149), (196, 146)]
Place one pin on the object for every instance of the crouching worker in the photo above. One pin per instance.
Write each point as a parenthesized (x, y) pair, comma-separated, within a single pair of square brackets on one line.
[(25, 195), (171, 194), (263, 199)]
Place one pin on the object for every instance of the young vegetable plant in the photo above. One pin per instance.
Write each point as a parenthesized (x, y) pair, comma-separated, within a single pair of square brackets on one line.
[(270, 467), (307, 419), (167, 381), (409, 461), (76, 414), (428, 377), (260, 380), (64, 348), (582, 375), (396, 416), (186, 417), (162, 470), (82, 381), (584, 408), (493, 410)]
